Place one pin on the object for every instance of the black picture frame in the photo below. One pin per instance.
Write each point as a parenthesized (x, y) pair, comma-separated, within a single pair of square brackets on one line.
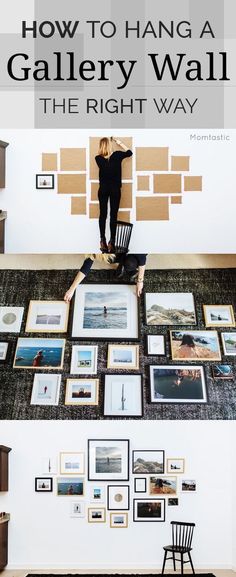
[(155, 354), (116, 478), (132, 375), (135, 483), (44, 490), (45, 187), (122, 508), (148, 472), (151, 519)]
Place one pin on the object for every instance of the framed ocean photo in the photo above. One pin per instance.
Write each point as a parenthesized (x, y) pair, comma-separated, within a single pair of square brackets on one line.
[(177, 384), (108, 459), (195, 345)]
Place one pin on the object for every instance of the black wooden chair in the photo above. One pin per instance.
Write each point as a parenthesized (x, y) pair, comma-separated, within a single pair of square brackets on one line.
[(182, 534), (123, 235)]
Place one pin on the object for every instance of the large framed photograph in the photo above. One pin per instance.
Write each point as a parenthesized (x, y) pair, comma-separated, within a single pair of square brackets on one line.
[(84, 360), (229, 343), (162, 485), (170, 309), (199, 345), (108, 459), (44, 181), (47, 317), (118, 497), (176, 465), (222, 372), (43, 484), (123, 396), (123, 357), (46, 389), (70, 486), (148, 461), (71, 463), (39, 353), (156, 345), (3, 351), (82, 392), (177, 384), (149, 510), (11, 319), (219, 315), (118, 520), (105, 312)]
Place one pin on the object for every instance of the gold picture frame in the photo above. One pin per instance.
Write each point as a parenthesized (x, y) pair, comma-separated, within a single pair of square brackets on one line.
[(47, 317), (37, 353), (219, 311), (129, 362), (118, 515), (87, 392), (94, 515), (199, 345)]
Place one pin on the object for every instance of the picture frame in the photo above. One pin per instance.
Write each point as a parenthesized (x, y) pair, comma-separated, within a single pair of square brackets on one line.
[(229, 343), (165, 485), (118, 497), (83, 392), (155, 345), (178, 384), (105, 312), (188, 486), (195, 345), (108, 459), (11, 319), (222, 372), (97, 493), (77, 509), (72, 463), (173, 501), (118, 520), (47, 317), (175, 465), (70, 486), (45, 181), (170, 309), (3, 351), (84, 360), (123, 357), (149, 510), (123, 395), (219, 315), (43, 484), (39, 353), (46, 389), (140, 485), (96, 515), (148, 461)]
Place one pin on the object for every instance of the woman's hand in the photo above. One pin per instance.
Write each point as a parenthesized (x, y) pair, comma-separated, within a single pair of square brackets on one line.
[(139, 288), (69, 294)]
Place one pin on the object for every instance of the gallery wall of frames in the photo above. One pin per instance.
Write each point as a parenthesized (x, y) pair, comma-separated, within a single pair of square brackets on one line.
[(102, 313)]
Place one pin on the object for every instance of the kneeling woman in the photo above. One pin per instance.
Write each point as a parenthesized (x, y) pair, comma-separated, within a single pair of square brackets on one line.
[(110, 181)]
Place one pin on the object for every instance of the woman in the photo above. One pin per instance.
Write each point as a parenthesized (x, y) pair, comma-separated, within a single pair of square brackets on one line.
[(187, 348), (110, 181)]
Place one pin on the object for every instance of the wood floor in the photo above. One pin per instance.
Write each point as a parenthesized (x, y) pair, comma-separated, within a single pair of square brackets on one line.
[(23, 573)]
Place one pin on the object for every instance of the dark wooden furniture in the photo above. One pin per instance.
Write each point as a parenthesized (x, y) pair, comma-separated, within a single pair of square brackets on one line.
[(4, 451), (3, 216), (123, 235), (3, 146), (182, 534), (4, 541)]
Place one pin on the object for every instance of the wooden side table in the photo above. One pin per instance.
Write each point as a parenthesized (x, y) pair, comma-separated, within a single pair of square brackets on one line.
[(4, 541)]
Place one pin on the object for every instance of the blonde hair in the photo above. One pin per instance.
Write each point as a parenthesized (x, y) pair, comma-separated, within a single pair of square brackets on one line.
[(107, 258), (105, 147)]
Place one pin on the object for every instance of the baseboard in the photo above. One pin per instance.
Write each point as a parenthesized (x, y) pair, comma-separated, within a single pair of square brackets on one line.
[(96, 568)]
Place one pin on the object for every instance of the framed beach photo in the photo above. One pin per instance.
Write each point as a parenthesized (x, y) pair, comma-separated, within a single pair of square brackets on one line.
[(43, 484), (229, 343), (39, 353), (44, 181), (107, 312), (118, 497), (148, 461), (156, 345), (71, 463), (195, 345), (82, 392), (188, 486), (140, 484), (108, 459), (176, 466), (152, 510), (162, 485), (69, 486), (84, 360), (3, 351), (222, 372), (97, 493), (47, 317), (11, 319), (77, 509), (170, 309), (119, 520), (219, 315), (123, 357), (177, 384), (46, 389), (96, 515), (123, 396)]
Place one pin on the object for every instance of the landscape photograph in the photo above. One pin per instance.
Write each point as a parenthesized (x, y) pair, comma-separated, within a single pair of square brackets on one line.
[(177, 384), (105, 310), (162, 485), (200, 345), (145, 462), (170, 309)]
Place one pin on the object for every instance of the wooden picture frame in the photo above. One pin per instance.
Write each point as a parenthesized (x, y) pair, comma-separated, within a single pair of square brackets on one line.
[(47, 317), (83, 392), (123, 357), (219, 315), (39, 353)]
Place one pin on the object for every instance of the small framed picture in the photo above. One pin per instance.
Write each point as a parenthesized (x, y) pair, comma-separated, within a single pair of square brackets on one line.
[(84, 360), (45, 181), (69, 486), (155, 345), (96, 515), (176, 466), (173, 501), (118, 520), (43, 484), (229, 343), (123, 396), (148, 462), (71, 463), (3, 351), (118, 497), (219, 315), (222, 372), (123, 357), (82, 392), (77, 509), (140, 485), (97, 493), (108, 459), (11, 319), (149, 510), (162, 485), (46, 389), (40, 354), (47, 317), (188, 486)]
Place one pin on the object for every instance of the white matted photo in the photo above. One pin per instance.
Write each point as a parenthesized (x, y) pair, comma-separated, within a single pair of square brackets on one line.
[(46, 389), (84, 360), (11, 319), (82, 392), (123, 357), (108, 459), (105, 312), (118, 497), (97, 515), (71, 463), (175, 465), (178, 384), (47, 317), (97, 493), (229, 343), (3, 351), (119, 520), (155, 345), (77, 509), (123, 395), (219, 315)]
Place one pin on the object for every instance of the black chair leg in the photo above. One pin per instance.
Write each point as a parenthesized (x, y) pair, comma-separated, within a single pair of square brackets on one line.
[(182, 563), (190, 559), (164, 562), (174, 564)]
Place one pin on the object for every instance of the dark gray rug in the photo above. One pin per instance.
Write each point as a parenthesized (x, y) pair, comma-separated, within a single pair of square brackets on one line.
[(208, 286)]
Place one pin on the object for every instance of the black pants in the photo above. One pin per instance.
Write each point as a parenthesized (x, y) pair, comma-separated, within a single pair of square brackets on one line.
[(104, 194)]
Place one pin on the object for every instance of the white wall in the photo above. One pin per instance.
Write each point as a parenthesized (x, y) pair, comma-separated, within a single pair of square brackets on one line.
[(39, 221), (42, 534)]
